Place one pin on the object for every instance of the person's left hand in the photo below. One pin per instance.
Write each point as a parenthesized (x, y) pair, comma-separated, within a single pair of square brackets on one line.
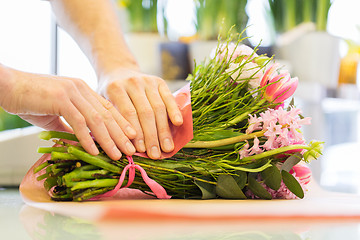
[(146, 103)]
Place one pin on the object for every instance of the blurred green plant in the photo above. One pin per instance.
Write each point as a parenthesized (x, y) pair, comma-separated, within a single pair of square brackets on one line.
[(287, 14), (141, 14), (10, 121), (215, 17)]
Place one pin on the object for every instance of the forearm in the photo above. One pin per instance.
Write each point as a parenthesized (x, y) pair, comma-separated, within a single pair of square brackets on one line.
[(95, 27), (6, 86)]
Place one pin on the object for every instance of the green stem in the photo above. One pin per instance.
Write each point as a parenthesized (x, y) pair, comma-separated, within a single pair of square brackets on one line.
[(275, 151), (47, 135), (80, 174), (93, 160), (51, 149), (224, 142), (63, 156), (98, 183), (245, 114), (176, 172), (41, 167)]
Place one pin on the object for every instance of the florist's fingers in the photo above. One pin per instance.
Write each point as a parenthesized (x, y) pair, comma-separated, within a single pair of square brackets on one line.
[(121, 121), (78, 124), (161, 117), (108, 113), (122, 101), (116, 125), (95, 122), (147, 120), (170, 103)]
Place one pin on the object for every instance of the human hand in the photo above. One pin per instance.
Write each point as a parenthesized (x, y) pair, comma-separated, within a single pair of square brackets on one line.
[(147, 103), (42, 99)]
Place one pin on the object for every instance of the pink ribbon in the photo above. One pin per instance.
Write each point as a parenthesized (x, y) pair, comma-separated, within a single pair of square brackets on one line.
[(155, 187)]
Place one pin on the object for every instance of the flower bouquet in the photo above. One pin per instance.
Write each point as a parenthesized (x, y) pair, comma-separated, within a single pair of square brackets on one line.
[(245, 143)]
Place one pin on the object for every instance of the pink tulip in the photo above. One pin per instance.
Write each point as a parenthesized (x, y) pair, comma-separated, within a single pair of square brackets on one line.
[(279, 86), (302, 172)]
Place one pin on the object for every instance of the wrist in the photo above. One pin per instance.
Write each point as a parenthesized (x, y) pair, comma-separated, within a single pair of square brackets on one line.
[(7, 84), (114, 75)]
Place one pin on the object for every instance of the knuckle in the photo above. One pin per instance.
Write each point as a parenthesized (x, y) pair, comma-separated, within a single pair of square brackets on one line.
[(107, 105), (130, 112), (79, 120), (115, 85), (163, 130), (107, 116), (135, 82), (97, 119), (147, 113), (159, 108)]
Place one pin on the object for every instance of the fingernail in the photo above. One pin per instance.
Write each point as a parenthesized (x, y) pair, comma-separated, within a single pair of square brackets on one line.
[(130, 131), (178, 118), (116, 153), (168, 145), (130, 148), (155, 153), (94, 149), (141, 146)]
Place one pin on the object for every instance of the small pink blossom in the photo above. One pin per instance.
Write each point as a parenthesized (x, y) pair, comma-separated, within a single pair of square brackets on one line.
[(281, 128), (255, 149), (244, 152), (254, 124)]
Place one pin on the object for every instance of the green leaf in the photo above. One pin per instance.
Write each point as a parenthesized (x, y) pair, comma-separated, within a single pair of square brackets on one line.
[(207, 189), (272, 177), (240, 178), (292, 184), (291, 161), (258, 189), (227, 187)]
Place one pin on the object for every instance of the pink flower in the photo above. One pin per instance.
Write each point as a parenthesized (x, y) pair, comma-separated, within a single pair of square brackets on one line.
[(279, 86), (254, 124), (244, 152), (255, 149), (302, 172)]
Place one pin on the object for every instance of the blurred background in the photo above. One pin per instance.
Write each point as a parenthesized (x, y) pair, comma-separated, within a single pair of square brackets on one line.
[(317, 40)]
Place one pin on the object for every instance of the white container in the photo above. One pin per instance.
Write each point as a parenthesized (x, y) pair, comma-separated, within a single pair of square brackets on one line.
[(314, 57), (18, 152)]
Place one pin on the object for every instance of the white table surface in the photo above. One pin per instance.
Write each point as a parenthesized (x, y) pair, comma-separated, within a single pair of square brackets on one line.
[(18, 221)]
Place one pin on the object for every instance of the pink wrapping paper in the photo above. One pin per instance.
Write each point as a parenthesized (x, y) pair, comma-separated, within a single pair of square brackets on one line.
[(184, 133)]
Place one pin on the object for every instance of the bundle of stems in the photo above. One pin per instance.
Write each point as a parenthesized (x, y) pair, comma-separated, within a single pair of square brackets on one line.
[(209, 166)]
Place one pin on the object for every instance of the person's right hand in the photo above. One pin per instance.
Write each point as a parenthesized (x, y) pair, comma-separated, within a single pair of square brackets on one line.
[(42, 99)]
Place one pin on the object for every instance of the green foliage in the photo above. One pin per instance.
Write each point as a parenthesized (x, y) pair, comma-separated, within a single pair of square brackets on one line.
[(227, 187), (142, 14), (287, 14), (212, 16), (272, 177), (292, 184), (258, 189), (11, 121)]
